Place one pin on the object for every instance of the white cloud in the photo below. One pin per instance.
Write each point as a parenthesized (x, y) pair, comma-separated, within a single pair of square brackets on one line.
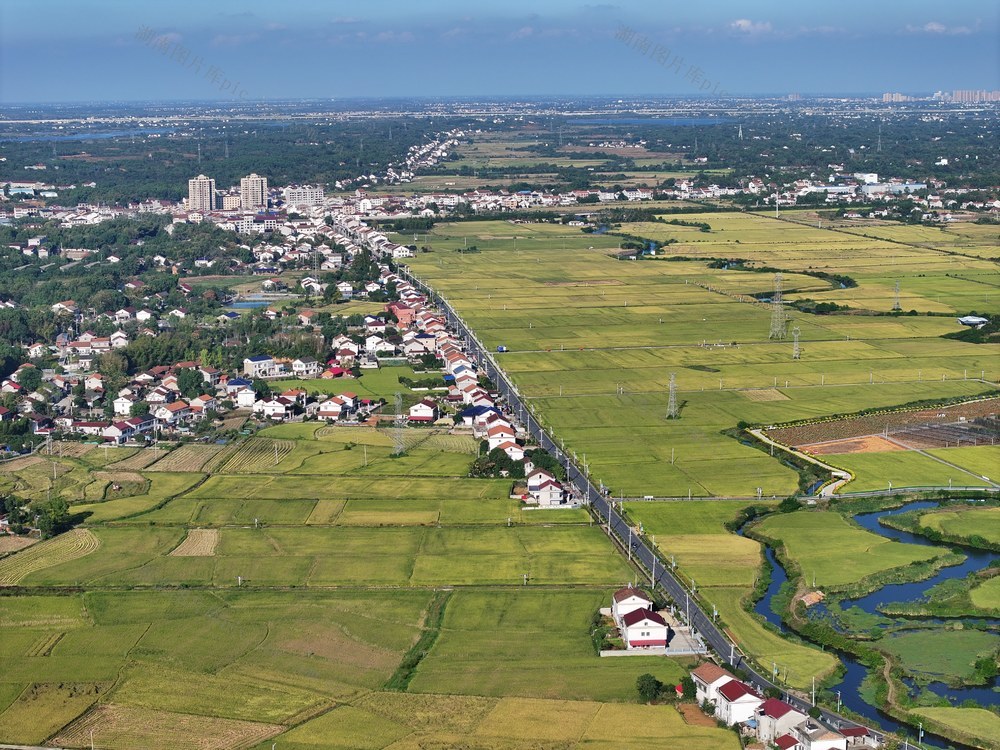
[(751, 28), (522, 33), (936, 27)]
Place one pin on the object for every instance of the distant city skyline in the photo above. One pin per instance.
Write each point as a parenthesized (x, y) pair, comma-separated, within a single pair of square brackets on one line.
[(103, 50)]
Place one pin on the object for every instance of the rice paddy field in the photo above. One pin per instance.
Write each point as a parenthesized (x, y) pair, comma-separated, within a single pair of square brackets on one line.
[(276, 602), (593, 340)]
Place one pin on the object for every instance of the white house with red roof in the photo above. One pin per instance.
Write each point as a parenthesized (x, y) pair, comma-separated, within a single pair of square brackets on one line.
[(736, 703), (172, 413), (644, 628), (708, 678), (627, 600), (332, 408), (776, 718), (423, 411)]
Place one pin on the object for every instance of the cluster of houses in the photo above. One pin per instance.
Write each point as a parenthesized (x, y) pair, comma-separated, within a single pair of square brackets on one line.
[(773, 722)]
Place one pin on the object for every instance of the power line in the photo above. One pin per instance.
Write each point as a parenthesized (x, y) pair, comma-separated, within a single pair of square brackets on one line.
[(796, 349)]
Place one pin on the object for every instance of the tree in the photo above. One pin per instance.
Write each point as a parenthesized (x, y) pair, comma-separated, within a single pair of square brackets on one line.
[(649, 687), (53, 518), (687, 684), (190, 382), (30, 378)]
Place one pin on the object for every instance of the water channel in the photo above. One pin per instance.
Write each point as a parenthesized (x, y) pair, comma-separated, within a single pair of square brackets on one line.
[(850, 686)]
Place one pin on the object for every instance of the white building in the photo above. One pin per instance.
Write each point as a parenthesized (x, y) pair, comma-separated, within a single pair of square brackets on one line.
[(736, 702), (627, 600), (303, 195), (253, 191), (201, 193)]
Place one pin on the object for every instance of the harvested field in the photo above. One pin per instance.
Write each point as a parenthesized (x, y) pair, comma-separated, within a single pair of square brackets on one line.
[(69, 546), (140, 460), (254, 455), (873, 424), (867, 444), (693, 715), (187, 458), (70, 450), (125, 727), (20, 463), (9, 544), (765, 394), (198, 543)]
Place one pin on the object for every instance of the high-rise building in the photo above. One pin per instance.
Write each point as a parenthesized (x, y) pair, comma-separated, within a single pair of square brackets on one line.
[(253, 191), (201, 193), (303, 195)]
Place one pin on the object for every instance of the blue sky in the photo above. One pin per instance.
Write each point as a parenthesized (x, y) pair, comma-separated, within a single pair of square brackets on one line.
[(69, 50)]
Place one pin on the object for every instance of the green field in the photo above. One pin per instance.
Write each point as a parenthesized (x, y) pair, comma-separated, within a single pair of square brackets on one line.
[(940, 654), (830, 550), (399, 720), (593, 340), (874, 471), (323, 567), (987, 595), (508, 643), (977, 724), (965, 522)]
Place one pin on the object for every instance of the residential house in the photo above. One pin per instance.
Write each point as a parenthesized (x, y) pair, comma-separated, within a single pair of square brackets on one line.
[(423, 411), (173, 413), (332, 408), (815, 736), (644, 628), (736, 702), (708, 678), (776, 718), (260, 366), (306, 367), (627, 600)]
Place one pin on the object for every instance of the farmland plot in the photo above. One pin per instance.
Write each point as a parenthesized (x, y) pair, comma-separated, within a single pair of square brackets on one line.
[(69, 546)]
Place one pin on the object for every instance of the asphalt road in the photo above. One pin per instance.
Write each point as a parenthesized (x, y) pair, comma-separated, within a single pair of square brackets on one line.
[(616, 525)]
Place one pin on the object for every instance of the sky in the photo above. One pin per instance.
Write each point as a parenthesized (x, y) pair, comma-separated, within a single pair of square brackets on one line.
[(112, 50)]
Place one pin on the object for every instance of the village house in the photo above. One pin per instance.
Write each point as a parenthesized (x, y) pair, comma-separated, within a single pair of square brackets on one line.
[(708, 678), (332, 408), (173, 413), (776, 718), (305, 367), (815, 736), (260, 366), (736, 703), (425, 410), (627, 600), (644, 628)]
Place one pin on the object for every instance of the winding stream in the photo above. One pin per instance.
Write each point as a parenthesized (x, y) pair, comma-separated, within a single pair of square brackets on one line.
[(850, 685)]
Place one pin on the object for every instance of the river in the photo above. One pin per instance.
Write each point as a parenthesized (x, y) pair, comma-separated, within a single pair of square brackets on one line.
[(850, 686)]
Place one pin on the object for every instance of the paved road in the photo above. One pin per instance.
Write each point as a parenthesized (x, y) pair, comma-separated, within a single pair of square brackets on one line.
[(613, 521)]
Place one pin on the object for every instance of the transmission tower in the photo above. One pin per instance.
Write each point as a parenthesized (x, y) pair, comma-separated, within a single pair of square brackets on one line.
[(672, 411), (397, 428), (796, 349), (896, 307), (779, 320)]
